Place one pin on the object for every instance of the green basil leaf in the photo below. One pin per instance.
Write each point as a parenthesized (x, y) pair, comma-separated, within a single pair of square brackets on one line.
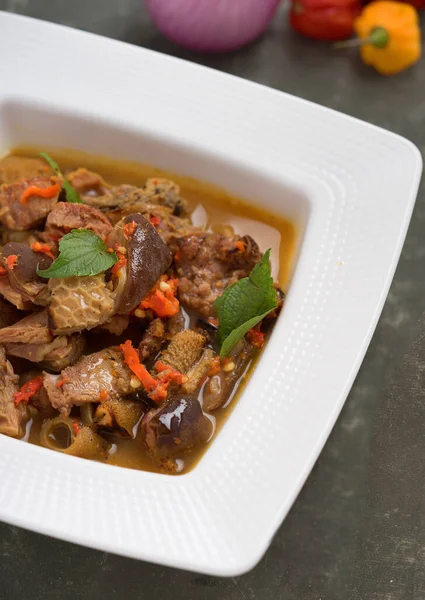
[(71, 193), (81, 253), (244, 304), (54, 165)]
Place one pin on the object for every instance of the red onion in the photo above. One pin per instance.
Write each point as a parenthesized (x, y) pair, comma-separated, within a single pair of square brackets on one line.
[(212, 25)]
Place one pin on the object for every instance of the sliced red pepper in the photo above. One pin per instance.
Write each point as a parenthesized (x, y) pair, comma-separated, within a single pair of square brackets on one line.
[(35, 190), (76, 427), (132, 360), (155, 221), (44, 248), (255, 338), (28, 390), (11, 261), (129, 229), (2, 271), (159, 394), (61, 382), (168, 374), (121, 262), (156, 389), (163, 304), (215, 367)]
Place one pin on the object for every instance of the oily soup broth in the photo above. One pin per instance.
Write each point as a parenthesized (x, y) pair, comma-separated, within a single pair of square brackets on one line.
[(214, 209)]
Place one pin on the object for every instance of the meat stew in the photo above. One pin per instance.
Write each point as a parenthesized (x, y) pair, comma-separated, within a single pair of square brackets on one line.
[(119, 285)]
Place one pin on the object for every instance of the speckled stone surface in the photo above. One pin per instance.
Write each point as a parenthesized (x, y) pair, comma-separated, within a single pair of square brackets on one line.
[(356, 532)]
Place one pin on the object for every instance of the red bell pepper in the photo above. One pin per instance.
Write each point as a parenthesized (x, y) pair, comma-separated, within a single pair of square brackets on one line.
[(329, 20)]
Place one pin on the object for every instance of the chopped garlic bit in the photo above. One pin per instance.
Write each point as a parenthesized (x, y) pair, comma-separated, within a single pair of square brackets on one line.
[(140, 314), (229, 367), (135, 382), (164, 286)]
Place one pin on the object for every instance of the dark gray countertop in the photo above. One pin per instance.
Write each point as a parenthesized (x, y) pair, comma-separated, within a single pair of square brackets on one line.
[(357, 529)]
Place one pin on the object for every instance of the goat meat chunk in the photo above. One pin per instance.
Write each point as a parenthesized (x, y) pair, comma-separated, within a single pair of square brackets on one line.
[(95, 375), (208, 263), (12, 417), (92, 188), (67, 216), (33, 329), (11, 295), (26, 215)]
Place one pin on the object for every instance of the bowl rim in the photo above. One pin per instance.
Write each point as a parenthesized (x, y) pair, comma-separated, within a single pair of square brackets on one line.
[(225, 512)]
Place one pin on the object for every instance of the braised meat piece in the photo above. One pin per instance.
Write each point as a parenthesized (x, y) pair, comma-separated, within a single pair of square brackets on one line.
[(92, 188), (152, 340), (119, 415), (155, 389), (198, 373), (183, 351), (17, 168), (124, 200), (78, 303), (11, 416), (9, 293), (175, 427), (33, 329), (56, 355), (207, 264), (64, 351), (8, 314), (171, 227), (116, 325), (158, 333), (101, 372), (67, 216), (176, 324), (68, 436), (164, 218), (19, 215), (23, 277), (31, 338), (166, 193), (147, 259)]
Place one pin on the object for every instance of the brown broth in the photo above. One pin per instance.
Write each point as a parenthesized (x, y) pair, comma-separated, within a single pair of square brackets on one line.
[(217, 210)]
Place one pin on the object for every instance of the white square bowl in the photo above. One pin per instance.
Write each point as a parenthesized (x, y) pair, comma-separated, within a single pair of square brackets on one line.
[(349, 186)]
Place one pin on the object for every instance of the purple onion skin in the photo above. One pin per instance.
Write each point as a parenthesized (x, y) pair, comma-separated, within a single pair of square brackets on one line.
[(212, 25)]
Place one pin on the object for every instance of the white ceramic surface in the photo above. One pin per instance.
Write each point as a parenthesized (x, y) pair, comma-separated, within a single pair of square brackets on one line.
[(350, 187)]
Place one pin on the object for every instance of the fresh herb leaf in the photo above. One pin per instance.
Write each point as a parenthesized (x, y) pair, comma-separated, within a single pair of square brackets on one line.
[(81, 253), (244, 304), (71, 193), (53, 164)]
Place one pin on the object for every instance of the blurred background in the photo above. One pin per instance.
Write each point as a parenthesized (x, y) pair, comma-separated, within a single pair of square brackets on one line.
[(357, 529)]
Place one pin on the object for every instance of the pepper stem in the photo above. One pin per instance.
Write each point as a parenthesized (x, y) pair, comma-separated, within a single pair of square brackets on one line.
[(378, 37)]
